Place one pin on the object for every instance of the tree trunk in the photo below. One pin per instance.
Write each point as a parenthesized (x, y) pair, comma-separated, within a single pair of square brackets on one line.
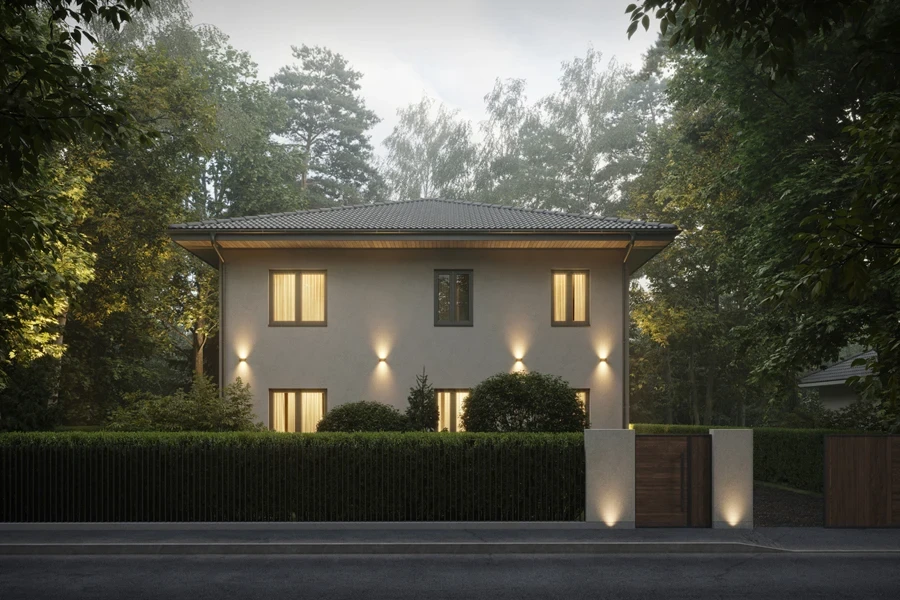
[(62, 319), (670, 390), (695, 405), (710, 385), (199, 344)]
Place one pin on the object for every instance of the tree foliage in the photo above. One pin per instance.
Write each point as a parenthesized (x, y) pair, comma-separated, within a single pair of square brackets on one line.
[(328, 121)]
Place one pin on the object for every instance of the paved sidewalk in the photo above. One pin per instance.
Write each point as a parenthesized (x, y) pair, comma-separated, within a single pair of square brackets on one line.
[(425, 538)]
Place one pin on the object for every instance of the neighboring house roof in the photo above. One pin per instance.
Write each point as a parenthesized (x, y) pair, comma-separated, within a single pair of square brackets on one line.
[(424, 215), (837, 373), (425, 223)]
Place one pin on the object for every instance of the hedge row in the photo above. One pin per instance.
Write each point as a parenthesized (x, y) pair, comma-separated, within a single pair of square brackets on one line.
[(97, 477), (792, 457)]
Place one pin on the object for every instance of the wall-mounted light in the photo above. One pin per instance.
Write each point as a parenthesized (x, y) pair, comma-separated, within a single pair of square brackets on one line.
[(382, 359), (602, 359), (242, 359)]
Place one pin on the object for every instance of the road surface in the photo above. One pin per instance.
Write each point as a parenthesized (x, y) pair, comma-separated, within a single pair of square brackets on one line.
[(494, 577)]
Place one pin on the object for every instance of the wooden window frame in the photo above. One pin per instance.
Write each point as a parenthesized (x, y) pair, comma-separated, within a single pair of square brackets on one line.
[(587, 403), (297, 392), (298, 292), (453, 273), (570, 299), (454, 418)]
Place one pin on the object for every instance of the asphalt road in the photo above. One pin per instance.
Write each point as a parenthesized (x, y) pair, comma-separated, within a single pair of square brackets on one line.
[(795, 577)]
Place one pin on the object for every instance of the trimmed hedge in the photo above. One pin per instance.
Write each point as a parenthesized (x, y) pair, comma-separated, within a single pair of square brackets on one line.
[(265, 476), (792, 457)]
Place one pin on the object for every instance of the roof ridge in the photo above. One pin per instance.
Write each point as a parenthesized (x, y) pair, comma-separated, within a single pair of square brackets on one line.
[(541, 211)]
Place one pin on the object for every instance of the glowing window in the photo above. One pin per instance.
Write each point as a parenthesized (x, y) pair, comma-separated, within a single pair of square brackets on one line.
[(584, 399), (297, 298), (453, 297), (570, 298), (296, 410), (450, 409)]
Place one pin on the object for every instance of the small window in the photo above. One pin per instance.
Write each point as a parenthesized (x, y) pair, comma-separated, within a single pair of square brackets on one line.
[(570, 298), (296, 410), (450, 409), (297, 298), (453, 298), (584, 399)]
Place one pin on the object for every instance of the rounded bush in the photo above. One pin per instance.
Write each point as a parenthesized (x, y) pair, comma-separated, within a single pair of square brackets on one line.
[(530, 402), (363, 416)]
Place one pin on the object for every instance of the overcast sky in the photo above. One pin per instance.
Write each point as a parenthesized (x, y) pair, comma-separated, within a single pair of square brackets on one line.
[(451, 50)]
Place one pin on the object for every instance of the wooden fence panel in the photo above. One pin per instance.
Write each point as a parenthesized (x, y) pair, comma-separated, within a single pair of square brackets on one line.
[(862, 481)]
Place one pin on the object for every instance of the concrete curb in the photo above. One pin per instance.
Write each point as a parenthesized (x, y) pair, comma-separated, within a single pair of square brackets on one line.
[(385, 548)]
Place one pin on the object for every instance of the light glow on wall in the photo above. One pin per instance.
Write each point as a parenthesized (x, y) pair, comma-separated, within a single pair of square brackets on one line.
[(734, 509), (611, 511)]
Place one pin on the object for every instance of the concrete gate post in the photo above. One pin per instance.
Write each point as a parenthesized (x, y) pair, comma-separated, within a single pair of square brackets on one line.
[(732, 478), (609, 477)]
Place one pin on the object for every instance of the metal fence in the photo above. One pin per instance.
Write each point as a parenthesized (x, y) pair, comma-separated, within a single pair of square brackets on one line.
[(291, 477)]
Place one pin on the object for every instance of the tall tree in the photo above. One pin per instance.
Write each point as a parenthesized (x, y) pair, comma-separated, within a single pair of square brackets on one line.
[(52, 98), (430, 153), (328, 121), (813, 89), (571, 150)]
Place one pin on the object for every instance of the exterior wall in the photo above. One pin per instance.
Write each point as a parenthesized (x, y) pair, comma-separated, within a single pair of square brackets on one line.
[(381, 303), (836, 397)]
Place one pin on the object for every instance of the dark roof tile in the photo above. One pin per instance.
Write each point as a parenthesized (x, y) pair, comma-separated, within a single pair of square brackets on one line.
[(424, 215)]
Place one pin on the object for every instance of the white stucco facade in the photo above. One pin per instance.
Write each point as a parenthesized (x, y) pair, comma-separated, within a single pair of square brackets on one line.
[(380, 303)]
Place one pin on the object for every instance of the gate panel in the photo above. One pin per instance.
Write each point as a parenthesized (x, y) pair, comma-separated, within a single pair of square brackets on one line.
[(700, 480), (673, 481), (858, 487)]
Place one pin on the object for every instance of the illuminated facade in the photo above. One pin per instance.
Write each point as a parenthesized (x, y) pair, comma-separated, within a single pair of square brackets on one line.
[(340, 305)]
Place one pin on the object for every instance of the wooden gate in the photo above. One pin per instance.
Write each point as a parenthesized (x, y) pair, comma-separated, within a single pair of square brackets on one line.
[(862, 481), (673, 480)]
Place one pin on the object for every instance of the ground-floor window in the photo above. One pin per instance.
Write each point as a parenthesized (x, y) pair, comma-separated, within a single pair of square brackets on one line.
[(296, 410), (450, 409), (584, 398)]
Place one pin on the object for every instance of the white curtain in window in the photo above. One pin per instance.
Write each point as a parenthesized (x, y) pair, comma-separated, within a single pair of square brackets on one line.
[(579, 293), (311, 410), (283, 297), (312, 300), (283, 416), (460, 398), (559, 296), (444, 410)]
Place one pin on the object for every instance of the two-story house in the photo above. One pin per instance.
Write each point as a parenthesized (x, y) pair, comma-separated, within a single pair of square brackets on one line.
[(328, 306)]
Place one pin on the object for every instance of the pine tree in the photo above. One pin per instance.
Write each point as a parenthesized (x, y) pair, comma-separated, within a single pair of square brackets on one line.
[(422, 411)]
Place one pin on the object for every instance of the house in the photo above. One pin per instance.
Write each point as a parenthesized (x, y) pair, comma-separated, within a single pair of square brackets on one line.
[(327, 306), (831, 382)]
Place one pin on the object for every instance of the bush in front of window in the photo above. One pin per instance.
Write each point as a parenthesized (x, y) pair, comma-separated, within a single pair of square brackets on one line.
[(524, 402), (422, 411), (363, 416), (201, 408)]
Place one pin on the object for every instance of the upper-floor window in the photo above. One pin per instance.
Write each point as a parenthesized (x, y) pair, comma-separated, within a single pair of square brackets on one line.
[(297, 298), (571, 298), (453, 297)]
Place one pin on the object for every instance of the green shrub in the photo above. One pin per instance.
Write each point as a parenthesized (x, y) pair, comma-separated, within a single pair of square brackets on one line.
[(422, 411), (791, 457), (268, 476), (523, 402), (200, 409), (363, 416)]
